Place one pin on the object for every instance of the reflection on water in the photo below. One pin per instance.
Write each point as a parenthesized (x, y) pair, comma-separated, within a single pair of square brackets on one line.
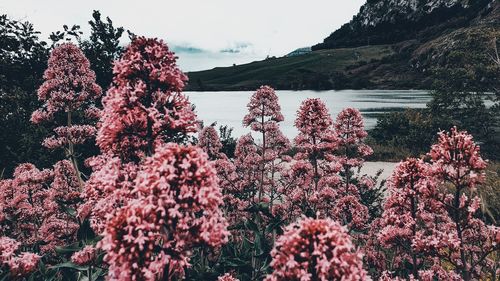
[(228, 108)]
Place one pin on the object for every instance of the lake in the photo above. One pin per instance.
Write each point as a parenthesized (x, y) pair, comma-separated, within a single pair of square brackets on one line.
[(228, 108)]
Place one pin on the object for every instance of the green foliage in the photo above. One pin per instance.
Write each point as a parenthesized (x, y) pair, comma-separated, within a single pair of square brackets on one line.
[(463, 82), (227, 140), (23, 59), (489, 193), (325, 69), (103, 48), (465, 93), (413, 129)]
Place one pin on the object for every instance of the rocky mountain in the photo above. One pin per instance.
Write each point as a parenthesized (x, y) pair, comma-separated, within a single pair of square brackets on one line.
[(392, 21), (389, 44)]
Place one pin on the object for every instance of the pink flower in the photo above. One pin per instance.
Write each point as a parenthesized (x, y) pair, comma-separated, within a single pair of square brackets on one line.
[(31, 208), (76, 134), (263, 104), (253, 177), (351, 134), (69, 89), (428, 210), (209, 141), (69, 83), (456, 158), (316, 250), (19, 265), (177, 208), (84, 257), (8, 248), (145, 104), (23, 265)]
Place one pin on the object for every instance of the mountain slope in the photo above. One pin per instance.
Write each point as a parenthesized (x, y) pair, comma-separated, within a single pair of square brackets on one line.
[(389, 44), (391, 21)]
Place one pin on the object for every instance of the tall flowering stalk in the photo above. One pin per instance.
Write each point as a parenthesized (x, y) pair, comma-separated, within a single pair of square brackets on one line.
[(350, 153), (236, 182), (31, 209), (145, 105), (142, 110), (251, 181), (313, 173), (152, 200), (316, 249), (69, 94), (351, 147), (430, 221), (177, 209), (457, 163), (209, 141), (264, 116), (414, 223)]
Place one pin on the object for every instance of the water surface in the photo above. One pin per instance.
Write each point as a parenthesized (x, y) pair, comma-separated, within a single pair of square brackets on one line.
[(228, 108)]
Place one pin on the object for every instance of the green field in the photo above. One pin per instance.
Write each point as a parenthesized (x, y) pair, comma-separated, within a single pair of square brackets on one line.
[(317, 70)]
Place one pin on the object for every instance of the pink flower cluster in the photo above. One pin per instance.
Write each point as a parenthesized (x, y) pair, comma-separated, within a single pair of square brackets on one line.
[(209, 141), (108, 188), (19, 265), (351, 134), (76, 134), (253, 176), (177, 208), (84, 257), (30, 206), (428, 219), (144, 105), (263, 105), (415, 223), (456, 158), (69, 83), (69, 87), (316, 249), (321, 177), (312, 176)]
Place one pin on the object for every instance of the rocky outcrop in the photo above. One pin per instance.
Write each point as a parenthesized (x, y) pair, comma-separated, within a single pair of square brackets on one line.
[(392, 21)]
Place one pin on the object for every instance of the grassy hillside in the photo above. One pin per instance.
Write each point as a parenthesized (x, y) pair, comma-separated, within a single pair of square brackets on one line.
[(324, 69), (403, 65)]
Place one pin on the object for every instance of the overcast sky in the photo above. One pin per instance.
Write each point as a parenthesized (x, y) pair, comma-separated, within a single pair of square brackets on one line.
[(249, 29)]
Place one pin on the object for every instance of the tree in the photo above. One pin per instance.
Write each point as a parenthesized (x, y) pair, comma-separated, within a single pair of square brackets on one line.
[(462, 82), (316, 249), (103, 47), (23, 58)]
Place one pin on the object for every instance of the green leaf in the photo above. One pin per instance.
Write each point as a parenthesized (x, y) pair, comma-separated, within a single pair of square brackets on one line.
[(75, 247), (70, 265), (251, 225)]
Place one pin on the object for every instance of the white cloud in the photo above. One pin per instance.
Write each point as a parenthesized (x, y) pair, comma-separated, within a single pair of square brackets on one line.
[(271, 27)]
